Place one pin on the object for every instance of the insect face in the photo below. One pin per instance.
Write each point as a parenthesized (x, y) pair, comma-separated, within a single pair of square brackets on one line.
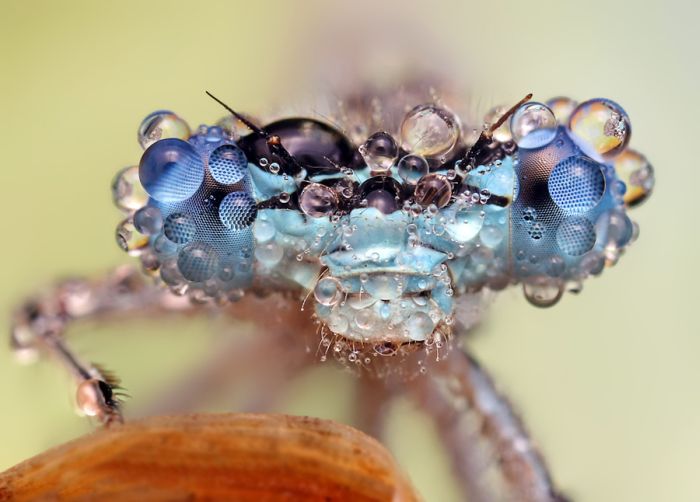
[(384, 236)]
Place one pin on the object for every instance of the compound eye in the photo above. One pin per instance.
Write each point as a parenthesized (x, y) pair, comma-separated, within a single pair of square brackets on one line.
[(171, 170), (313, 144)]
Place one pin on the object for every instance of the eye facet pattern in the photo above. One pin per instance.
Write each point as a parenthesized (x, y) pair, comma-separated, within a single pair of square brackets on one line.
[(576, 184)]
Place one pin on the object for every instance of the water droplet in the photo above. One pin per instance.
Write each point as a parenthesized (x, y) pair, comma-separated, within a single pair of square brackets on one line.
[(502, 134), (542, 291), (364, 319), (179, 228), (429, 131), (380, 152), (228, 164), (491, 236), (533, 125), (264, 230), (269, 254), (562, 108), (318, 200), (127, 192), (237, 211), (284, 197), (171, 170), (198, 261), (419, 325), (576, 184), (412, 168), (555, 265), (129, 239), (575, 235), (160, 125), (633, 169), (433, 189), (601, 127), (148, 220)]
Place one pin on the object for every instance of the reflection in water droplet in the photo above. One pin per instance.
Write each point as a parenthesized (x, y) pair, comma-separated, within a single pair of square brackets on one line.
[(412, 168), (328, 291), (237, 211), (379, 152), (179, 228), (429, 131), (197, 261), (419, 326), (318, 200), (533, 125), (127, 192), (148, 220), (575, 236), (433, 189), (562, 108), (543, 291), (228, 164), (171, 170), (635, 171), (160, 125), (129, 239), (601, 127)]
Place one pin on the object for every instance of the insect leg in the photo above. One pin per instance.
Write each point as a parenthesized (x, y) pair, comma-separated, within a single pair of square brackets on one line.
[(492, 453), (39, 325)]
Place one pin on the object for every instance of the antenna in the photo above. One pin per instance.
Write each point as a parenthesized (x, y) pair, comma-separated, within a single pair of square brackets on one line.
[(274, 142)]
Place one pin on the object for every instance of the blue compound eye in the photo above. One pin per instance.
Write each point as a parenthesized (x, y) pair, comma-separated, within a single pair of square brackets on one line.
[(227, 164), (576, 184), (171, 170)]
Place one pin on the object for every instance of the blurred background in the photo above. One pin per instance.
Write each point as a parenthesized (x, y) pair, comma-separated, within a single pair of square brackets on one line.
[(607, 380)]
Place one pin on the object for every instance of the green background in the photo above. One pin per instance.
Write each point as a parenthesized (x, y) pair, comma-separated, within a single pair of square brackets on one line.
[(607, 380)]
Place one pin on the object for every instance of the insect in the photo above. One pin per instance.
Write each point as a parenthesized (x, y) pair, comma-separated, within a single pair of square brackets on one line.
[(380, 229)]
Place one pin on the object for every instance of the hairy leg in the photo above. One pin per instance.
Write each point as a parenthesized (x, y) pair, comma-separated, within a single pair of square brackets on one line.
[(492, 453), (40, 323)]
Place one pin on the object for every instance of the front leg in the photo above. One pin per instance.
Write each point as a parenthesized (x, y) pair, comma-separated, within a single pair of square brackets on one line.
[(491, 451), (40, 323)]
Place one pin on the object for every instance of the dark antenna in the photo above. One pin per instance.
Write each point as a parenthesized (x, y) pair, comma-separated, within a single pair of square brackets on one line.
[(273, 141), (486, 136), (248, 123)]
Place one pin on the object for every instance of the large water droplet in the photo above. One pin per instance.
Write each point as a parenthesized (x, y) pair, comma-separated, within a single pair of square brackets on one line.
[(237, 211), (127, 192), (562, 108), (412, 168), (429, 131), (328, 291), (171, 170), (318, 200), (179, 228), (148, 220), (576, 184), (228, 164), (433, 189), (419, 326), (160, 125), (601, 127), (543, 291), (575, 236), (533, 125), (198, 261), (380, 152), (635, 171)]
